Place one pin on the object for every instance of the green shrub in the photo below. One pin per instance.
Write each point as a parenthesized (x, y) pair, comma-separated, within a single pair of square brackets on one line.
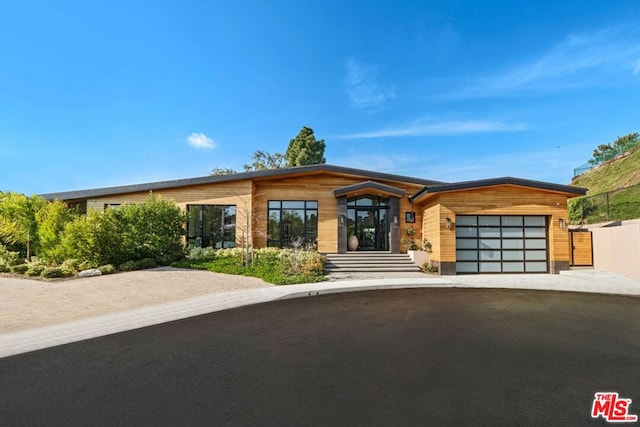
[(71, 266), (19, 269), (128, 266), (36, 266), (8, 257), (4, 268), (34, 270), (51, 220), (274, 265), (429, 268), (146, 263), (107, 269), (411, 244), (140, 264), (85, 265), (152, 229), (201, 254), (167, 259), (54, 272)]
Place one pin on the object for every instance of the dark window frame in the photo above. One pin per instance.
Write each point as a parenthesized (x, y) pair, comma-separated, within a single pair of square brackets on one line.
[(199, 236), (309, 234)]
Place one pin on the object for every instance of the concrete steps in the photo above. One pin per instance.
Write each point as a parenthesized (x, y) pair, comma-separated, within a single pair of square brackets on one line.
[(354, 262)]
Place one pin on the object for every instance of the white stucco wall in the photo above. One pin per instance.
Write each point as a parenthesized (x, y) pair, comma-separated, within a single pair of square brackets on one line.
[(617, 249)]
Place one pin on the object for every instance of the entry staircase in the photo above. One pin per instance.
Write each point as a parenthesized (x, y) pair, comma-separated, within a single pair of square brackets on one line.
[(353, 262)]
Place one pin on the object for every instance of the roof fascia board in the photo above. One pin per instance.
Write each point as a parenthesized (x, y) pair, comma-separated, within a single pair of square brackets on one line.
[(369, 185), (160, 185)]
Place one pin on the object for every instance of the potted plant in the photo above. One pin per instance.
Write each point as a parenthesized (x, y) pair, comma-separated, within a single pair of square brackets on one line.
[(419, 255)]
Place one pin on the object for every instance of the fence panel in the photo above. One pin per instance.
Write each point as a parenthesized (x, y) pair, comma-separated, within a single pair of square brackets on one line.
[(581, 248), (615, 205)]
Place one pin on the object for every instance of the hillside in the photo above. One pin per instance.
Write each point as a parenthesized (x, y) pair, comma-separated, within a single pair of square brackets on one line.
[(618, 173), (605, 200)]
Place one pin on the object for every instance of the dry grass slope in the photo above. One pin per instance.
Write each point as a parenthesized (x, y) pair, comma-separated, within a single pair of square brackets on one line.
[(618, 173), (609, 178)]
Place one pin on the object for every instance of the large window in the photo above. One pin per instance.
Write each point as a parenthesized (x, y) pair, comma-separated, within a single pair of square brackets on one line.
[(290, 221), (211, 225)]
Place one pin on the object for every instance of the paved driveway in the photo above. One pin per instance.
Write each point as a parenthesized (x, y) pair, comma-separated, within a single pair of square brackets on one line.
[(401, 357), (26, 304)]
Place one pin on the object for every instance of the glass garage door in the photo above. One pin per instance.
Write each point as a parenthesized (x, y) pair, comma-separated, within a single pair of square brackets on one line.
[(501, 244)]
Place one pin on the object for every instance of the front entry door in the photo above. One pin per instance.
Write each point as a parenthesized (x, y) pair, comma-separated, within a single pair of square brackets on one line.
[(371, 228)]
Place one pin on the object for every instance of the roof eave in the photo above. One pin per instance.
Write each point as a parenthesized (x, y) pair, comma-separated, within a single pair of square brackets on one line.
[(161, 185)]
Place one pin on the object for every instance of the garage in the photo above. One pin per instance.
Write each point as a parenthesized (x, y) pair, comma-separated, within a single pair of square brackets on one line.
[(501, 244)]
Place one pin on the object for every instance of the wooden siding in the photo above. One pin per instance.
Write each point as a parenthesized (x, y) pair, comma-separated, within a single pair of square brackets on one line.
[(251, 198), (500, 200), (316, 187), (431, 229)]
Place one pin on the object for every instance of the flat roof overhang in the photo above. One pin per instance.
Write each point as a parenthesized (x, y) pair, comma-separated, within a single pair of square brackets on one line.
[(369, 187), (291, 172), (568, 190)]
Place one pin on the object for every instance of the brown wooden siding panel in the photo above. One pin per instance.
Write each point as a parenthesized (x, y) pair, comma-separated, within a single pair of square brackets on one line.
[(503, 200), (431, 229), (316, 187)]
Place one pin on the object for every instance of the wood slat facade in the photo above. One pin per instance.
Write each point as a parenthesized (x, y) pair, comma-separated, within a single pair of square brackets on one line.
[(498, 200), (252, 195)]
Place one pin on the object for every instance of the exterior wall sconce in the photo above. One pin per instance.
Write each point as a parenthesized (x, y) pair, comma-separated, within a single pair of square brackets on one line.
[(447, 223), (342, 219), (395, 219), (562, 224)]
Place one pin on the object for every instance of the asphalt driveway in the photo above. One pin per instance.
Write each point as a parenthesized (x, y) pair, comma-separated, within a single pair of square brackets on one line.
[(401, 357)]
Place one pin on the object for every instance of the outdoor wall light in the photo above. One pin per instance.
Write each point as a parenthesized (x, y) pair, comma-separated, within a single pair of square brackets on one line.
[(447, 223), (562, 223), (342, 218)]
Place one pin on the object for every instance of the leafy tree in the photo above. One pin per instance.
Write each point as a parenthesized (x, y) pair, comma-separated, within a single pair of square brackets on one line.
[(78, 240), (18, 226), (580, 208), (51, 220), (603, 153), (264, 161), (623, 142), (304, 149), (606, 152), (223, 171)]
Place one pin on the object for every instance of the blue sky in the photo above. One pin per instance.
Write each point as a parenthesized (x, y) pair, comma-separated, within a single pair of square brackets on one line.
[(96, 94)]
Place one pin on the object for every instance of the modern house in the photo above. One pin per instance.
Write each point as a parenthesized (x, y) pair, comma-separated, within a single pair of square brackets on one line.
[(502, 225)]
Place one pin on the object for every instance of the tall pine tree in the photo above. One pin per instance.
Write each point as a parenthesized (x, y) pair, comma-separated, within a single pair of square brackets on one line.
[(304, 149)]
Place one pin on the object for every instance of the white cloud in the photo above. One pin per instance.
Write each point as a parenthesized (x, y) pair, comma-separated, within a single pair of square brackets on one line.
[(431, 127), (201, 141), (575, 61), (364, 87)]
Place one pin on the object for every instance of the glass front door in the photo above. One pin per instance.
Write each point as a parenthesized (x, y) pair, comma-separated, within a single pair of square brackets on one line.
[(370, 226)]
